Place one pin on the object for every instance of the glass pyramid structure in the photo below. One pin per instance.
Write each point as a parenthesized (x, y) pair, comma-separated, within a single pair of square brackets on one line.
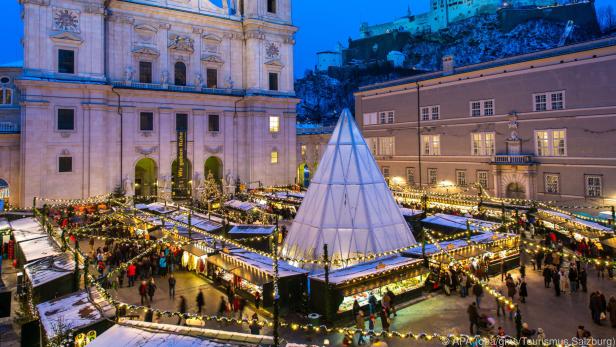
[(348, 205)]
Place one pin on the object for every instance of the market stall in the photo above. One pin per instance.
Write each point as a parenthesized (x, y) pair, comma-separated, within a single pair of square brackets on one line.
[(578, 223), (250, 273), (257, 234), (194, 257), (157, 207), (401, 275), (51, 277), (410, 214), (78, 312), (34, 249)]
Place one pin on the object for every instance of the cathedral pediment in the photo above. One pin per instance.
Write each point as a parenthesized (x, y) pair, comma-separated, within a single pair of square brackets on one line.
[(147, 50), (66, 37), (212, 58), (275, 62)]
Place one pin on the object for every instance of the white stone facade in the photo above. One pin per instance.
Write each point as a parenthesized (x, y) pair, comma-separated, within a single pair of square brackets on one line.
[(229, 53)]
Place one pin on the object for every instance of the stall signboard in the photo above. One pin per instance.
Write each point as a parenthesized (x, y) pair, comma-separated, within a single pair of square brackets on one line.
[(181, 187)]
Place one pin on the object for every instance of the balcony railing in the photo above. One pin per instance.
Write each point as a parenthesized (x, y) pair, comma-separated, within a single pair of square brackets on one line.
[(513, 159), (9, 128), (174, 88)]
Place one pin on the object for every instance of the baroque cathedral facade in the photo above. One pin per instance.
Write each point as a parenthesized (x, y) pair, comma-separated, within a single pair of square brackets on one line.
[(152, 95)]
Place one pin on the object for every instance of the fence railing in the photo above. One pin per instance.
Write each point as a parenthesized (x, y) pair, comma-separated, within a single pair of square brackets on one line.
[(513, 159)]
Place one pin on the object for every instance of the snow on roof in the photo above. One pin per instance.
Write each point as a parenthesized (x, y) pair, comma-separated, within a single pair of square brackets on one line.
[(490, 237), (263, 263), (4, 224), (35, 249), (409, 212), (252, 229), (240, 205), (432, 249), (48, 269), (25, 224), (160, 207), (23, 235), (196, 221), (75, 311), (348, 205), (137, 333), (588, 224), (368, 268), (458, 222)]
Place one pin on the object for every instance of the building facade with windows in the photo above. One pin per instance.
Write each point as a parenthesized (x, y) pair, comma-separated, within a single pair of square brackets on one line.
[(152, 95), (537, 126)]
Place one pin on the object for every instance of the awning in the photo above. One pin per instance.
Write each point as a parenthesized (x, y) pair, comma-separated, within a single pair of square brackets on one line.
[(239, 270)]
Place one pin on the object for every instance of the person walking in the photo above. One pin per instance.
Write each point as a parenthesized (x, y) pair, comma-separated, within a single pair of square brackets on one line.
[(384, 320), (162, 265), (500, 306), (171, 281), (595, 307), (518, 323), (360, 326), (583, 277), (473, 317), (371, 303), (556, 282), (573, 279), (463, 285), (392, 306), (151, 290), (143, 292), (511, 290), (611, 309), (200, 301), (547, 275), (523, 291), (478, 292), (255, 327), (258, 300), (131, 272), (222, 307), (182, 308)]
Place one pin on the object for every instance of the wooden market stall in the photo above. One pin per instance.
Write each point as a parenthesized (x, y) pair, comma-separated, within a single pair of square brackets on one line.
[(51, 277)]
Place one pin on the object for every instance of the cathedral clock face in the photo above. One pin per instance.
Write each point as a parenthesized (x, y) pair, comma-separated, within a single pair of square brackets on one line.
[(66, 20)]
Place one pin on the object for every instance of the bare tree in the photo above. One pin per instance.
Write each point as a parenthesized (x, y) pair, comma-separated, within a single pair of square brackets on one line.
[(607, 18)]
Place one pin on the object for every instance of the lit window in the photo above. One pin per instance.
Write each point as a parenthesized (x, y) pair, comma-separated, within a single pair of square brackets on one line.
[(386, 172), (461, 178), (432, 176), (551, 143), (482, 144), (431, 144), (303, 150), (372, 143), (593, 186), (6, 98), (410, 176), (274, 124), (274, 157), (482, 179), (386, 146), (552, 183), (549, 101), (482, 108)]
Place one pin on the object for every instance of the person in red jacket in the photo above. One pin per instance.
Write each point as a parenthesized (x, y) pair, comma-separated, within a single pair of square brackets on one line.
[(131, 273), (143, 292)]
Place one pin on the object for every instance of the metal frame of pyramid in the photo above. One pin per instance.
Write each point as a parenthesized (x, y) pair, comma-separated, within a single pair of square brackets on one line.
[(348, 205)]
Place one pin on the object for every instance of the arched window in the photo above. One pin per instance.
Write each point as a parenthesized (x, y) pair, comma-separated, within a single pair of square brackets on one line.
[(180, 74)]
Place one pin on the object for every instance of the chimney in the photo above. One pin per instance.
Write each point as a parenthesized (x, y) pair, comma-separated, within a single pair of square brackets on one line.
[(448, 64)]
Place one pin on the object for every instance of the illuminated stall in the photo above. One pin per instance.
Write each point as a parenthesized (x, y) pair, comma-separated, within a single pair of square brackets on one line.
[(194, 257), (51, 277), (403, 276), (447, 223), (250, 273)]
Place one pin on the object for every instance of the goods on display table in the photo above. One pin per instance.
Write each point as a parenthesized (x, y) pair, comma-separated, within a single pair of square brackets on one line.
[(249, 273), (195, 256), (403, 276)]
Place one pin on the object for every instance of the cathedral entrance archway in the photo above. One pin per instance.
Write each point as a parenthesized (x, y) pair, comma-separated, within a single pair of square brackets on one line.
[(181, 188), (515, 191), (303, 175), (4, 194), (214, 165), (146, 175)]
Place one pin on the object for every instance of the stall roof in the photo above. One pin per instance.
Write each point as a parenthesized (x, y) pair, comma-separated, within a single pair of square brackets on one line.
[(75, 311), (35, 249), (368, 268), (409, 212), (458, 222), (244, 263), (588, 224), (25, 224), (4, 224), (157, 207), (432, 249), (197, 221), (48, 269), (25, 235), (240, 205), (137, 333), (490, 237), (252, 229)]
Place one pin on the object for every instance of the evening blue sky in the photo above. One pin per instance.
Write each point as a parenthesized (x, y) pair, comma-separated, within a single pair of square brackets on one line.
[(322, 24)]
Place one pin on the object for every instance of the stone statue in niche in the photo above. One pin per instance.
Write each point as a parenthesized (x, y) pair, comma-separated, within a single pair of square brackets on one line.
[(127, 186), (513, 127), (128, 74), (198, 80), (164, 77)]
